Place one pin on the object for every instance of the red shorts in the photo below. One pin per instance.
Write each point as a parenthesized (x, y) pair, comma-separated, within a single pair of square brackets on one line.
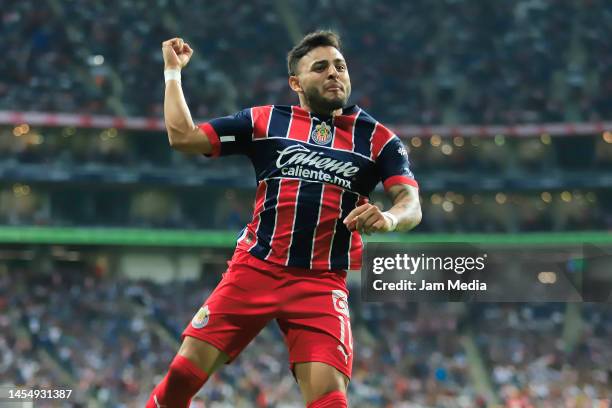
[(310, 308)]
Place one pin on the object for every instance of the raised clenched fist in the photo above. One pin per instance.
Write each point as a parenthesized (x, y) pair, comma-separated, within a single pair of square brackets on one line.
[(177, 53)]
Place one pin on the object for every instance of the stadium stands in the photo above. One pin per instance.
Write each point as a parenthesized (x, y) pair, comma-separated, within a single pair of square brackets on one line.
[(126, 332), (468, 184), (455, 62)]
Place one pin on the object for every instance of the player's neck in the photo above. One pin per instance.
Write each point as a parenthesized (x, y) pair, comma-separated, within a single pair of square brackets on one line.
[(307, 108)]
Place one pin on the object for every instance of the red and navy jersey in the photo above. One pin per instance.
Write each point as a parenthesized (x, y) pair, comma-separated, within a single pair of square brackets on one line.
[(311, 171)]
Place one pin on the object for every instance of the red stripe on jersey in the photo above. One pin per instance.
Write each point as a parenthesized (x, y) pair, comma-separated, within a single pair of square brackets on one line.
[(249, 239), (213, 138), (285, 215), (355, 251), (393, 180), (300, 125), (260, 115), (298, 110), (380, 137), (329, 212), (344, 132), (356, 247)]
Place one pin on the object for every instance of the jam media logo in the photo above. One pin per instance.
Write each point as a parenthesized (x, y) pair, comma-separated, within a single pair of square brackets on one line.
[(201, 318), (322, 134)]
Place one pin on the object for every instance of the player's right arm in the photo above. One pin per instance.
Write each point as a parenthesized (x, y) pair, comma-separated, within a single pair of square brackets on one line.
[(183, 134)]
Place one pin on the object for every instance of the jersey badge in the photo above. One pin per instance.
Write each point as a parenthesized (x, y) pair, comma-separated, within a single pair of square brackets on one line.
[(322, 134), (201, 318)]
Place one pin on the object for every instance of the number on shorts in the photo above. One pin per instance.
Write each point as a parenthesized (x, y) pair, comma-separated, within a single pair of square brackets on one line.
[(340, 301)]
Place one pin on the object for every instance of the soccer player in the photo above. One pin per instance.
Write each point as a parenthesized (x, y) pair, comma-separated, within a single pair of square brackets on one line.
[(315, 165)]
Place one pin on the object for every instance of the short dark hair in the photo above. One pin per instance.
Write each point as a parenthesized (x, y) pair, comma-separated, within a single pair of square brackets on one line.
[(321, 38)]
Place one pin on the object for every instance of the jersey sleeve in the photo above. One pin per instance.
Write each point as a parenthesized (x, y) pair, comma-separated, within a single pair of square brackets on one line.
[(393, 164), (230, 134)]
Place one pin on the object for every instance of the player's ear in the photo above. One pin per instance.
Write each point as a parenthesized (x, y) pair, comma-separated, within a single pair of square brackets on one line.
[(294, 83)]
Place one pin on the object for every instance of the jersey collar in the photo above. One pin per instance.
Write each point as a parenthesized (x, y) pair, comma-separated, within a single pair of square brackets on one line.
[(346, 111)]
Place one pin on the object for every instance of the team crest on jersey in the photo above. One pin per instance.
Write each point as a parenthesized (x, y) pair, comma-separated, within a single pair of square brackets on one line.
[(322, 134), (201, 318)]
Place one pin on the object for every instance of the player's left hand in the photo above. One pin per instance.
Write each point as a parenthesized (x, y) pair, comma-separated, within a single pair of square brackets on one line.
[(367, 219)]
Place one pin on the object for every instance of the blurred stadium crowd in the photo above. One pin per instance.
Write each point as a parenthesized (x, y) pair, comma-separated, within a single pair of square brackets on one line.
[(125, 334), (114, 177), (412, 62), (450, 212), (451, 62)]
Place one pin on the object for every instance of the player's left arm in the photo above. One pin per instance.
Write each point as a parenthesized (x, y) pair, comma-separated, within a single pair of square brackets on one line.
[(406, 206), (404, 215), (393, 167)]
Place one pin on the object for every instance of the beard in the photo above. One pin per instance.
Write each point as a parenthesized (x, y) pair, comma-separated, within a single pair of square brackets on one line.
[(320, 104)]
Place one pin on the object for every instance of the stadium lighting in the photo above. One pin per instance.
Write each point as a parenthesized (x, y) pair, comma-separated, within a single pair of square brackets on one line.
[(591, 197), (548, 278), (95, 60), (566, 196), (435, 140), (68, 131), (21, 130), (21, 190)]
